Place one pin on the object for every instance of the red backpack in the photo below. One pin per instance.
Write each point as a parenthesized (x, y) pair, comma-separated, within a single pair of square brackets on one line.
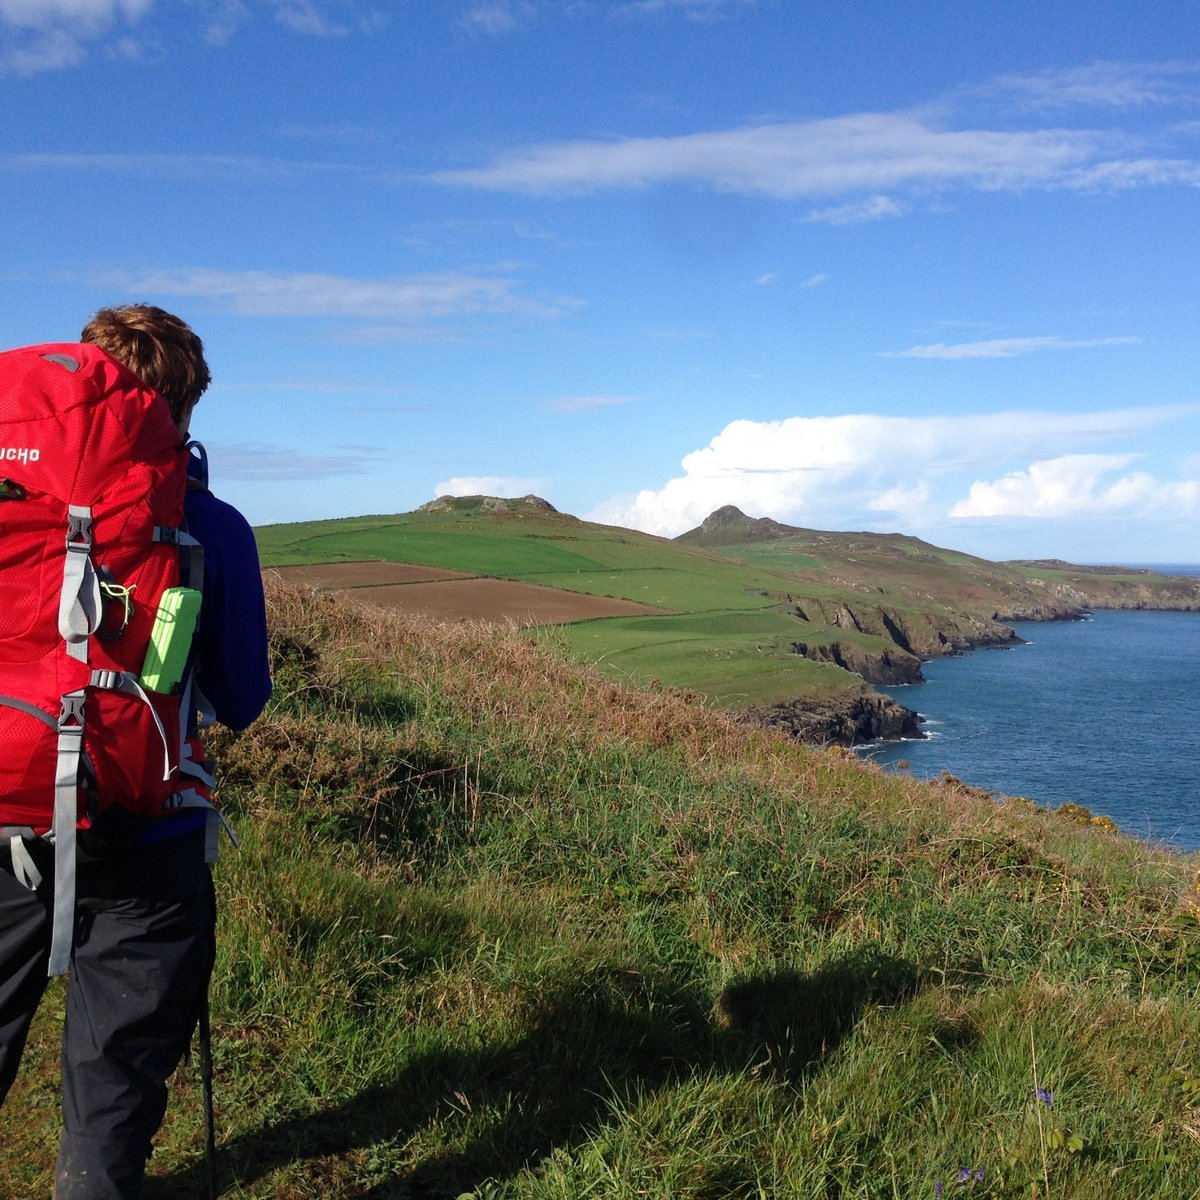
[(93, 475)]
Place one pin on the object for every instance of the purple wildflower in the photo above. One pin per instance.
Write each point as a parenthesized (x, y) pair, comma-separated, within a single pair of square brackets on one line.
[(937, 1190), (1046, 1097)]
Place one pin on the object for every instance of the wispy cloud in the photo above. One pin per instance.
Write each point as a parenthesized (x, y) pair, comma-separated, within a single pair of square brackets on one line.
[(451, 232), (314, 386), (815, 280), (246, 462), (796, 159), (1099, 85), (883, 163), (860, 469), (579, 404), (232, 168), (496, 17), (329, 18), (857, 212), (48, 35), (693, 10), (309, 18), (304, 294), (1006, 347)]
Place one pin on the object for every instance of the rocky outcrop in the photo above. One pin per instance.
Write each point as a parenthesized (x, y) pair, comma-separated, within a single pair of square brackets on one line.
[(932, 633), (517, 506), (848, 719), (729, 526), (885, 667), (1102, 589)]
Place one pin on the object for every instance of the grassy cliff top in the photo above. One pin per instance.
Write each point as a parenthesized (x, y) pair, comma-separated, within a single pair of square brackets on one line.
[(502, 927)]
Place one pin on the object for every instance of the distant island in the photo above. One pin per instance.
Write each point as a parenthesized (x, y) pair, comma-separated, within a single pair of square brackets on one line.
[(789, 627)]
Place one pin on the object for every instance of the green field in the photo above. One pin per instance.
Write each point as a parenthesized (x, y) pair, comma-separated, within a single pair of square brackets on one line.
[(736, 601), (724, 631)]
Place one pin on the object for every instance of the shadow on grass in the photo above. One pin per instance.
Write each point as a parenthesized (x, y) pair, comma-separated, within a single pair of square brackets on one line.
[(613, 1033)]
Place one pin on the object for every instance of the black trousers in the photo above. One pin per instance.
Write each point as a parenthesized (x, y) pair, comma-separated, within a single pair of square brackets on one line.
[(143, 953)]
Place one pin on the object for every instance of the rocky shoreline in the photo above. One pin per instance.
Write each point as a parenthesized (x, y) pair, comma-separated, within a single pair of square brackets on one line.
[(864, 715), (845, 720)]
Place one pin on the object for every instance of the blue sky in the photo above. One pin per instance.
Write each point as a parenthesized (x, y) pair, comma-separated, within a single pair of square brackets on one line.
[(896, 266)]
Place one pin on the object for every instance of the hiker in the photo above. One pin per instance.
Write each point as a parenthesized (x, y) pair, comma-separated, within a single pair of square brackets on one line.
[(140, 939)]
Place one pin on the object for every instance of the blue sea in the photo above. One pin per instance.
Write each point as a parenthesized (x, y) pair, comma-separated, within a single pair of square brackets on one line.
[(1103, 712)]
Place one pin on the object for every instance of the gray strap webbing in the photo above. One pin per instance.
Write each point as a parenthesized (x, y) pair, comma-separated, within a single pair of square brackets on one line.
[(123, 681), (24, 868), (191, 554), (31, 709), (80, 607), (197, 770), (66, 805), (216, 822)]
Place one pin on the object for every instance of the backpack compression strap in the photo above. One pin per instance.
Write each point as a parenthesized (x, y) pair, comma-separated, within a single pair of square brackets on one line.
[(79, 607), (66, 813)]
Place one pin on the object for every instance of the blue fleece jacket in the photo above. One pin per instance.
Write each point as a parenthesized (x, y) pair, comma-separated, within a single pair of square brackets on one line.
[(231, 641)]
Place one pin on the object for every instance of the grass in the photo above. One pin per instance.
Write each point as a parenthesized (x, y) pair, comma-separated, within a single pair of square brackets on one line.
[(502, 927)]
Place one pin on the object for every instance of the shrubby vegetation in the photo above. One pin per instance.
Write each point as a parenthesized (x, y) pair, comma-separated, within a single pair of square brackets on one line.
[(502, 927)]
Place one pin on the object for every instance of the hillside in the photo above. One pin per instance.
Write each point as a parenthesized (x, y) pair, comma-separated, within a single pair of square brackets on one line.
[(501, 927), (791, 627)]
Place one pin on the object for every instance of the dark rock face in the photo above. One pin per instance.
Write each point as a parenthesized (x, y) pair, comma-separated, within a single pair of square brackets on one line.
[(885, 667), (933, 634), (845, 720)]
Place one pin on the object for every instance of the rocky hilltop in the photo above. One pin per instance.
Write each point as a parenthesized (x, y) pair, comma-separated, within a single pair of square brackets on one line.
[(514, 507)]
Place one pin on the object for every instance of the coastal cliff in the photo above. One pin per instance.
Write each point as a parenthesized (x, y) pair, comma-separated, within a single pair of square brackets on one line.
[(878, 605), (847, 719)]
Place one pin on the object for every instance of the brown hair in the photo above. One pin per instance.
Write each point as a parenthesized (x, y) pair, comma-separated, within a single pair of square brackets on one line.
[(157, 347)]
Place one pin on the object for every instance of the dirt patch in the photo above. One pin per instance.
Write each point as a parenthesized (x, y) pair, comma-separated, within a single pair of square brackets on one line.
[(338, 576), (456, 596)]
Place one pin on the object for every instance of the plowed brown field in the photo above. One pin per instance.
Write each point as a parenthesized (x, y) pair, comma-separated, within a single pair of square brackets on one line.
[(457, 596)]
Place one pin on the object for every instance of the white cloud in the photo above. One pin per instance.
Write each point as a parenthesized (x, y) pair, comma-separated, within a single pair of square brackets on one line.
[(301, 294), (578, 404), (694, 10), (1100, 85), (48, 35), (310, 18), (1075, 484), (496, 17), (865, 156), (846, 471), (797, 159), (857, 212), (1006, 347), (815, 280), (507, 487), (769, 277), (88, 16)]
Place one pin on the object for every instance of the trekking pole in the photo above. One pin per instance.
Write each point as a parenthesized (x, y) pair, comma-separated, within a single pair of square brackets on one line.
[(206, 1079)]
